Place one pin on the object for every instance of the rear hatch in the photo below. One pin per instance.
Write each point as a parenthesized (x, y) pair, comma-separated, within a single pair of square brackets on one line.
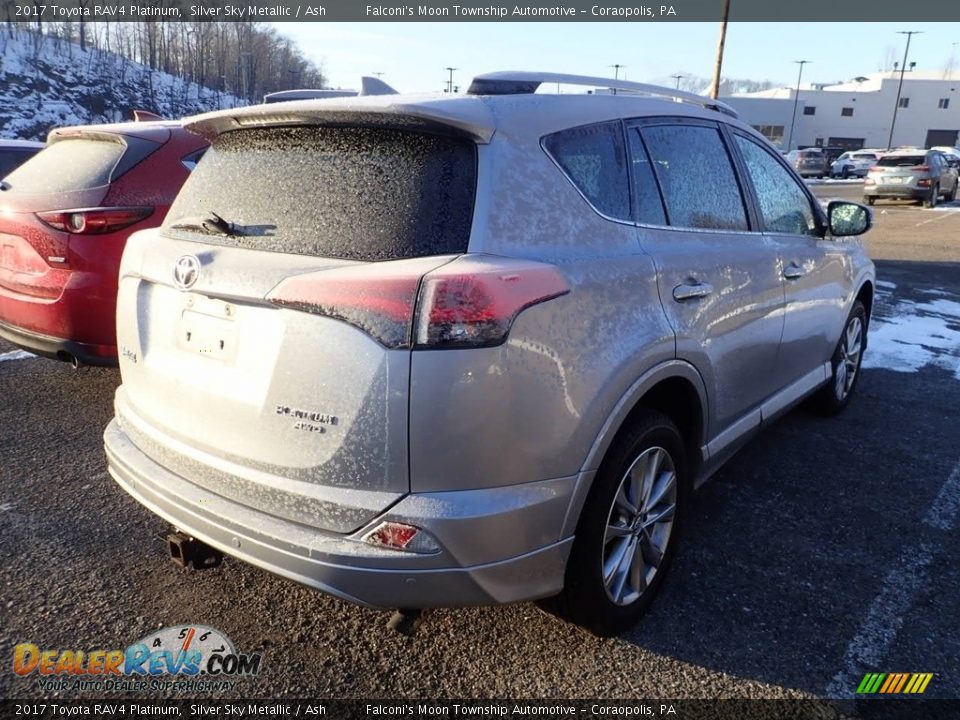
[(265, 330), (73, 172), (900, 170)]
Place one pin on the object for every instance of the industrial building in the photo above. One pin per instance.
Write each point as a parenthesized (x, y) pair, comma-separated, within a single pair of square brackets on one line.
[(859, 113)]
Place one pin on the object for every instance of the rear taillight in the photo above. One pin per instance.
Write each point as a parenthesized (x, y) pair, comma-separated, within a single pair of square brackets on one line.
[(377, 298), (473, 302), (920, 168), (94, 221), (469, 302)]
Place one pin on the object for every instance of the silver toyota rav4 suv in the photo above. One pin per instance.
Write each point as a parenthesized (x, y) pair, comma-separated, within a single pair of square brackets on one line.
[(447, 351)]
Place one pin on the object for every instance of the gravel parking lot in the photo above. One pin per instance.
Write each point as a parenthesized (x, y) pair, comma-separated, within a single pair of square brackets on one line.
[(826, 549)]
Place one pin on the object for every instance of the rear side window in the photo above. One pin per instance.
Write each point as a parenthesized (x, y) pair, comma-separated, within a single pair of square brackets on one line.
[(11, 158), (697, 179), (593, 158), (78, 163), (901, 160), (350, 193)]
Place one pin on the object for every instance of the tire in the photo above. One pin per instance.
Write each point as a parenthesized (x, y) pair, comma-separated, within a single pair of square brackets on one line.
[(953, 193), (870, 199), (931, 200), (845, 173), (845, 364), (608, 602)]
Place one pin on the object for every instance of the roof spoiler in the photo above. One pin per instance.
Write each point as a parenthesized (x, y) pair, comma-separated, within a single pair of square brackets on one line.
[(525, 83)]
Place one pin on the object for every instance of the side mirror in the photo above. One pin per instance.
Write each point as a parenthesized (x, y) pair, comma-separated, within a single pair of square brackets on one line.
[(848, 218)]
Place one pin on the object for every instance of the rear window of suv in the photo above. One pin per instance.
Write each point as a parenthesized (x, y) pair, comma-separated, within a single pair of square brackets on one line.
[(901, 160), (351, 193), (78, 163)]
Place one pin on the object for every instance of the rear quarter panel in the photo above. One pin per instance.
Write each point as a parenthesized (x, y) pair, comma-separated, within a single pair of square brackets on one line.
[(533, 408)]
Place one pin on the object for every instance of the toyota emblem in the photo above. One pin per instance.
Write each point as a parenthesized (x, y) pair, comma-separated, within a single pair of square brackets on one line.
[(186, 272)]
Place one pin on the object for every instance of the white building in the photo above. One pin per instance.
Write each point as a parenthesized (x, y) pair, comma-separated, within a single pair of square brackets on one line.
[(858, 113)]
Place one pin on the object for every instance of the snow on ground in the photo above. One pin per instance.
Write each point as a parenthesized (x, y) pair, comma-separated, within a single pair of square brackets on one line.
[(906, 335), (944, 206), (47, 82), (16, 355), (834, 181)]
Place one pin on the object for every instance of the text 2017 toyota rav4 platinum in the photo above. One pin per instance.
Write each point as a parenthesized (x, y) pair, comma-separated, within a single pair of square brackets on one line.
[(424, 351)]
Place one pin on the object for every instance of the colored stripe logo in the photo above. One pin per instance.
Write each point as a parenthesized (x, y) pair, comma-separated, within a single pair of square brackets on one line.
[(894, 683)]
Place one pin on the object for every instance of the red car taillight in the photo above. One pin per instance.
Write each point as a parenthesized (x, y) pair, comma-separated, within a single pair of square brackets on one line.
[(94, 221), (920, 168), (470, 302)]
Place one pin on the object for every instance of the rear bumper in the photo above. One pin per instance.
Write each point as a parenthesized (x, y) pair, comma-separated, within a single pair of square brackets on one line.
[(343, 566), (896, 191), (59, 348), (79, 320)]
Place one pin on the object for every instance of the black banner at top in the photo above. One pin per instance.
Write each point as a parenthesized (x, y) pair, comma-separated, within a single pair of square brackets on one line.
[(33, 11)]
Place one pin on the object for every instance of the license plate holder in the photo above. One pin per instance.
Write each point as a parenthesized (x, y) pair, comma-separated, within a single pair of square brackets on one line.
[(209, 330)]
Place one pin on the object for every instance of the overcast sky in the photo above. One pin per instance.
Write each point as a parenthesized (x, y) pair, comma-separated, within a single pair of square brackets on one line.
[(413, 55)]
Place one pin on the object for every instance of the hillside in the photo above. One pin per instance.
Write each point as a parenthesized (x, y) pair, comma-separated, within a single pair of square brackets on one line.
[(47, 82)]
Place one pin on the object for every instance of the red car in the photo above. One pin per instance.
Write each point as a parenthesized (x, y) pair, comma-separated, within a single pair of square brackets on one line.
[(65, 216)]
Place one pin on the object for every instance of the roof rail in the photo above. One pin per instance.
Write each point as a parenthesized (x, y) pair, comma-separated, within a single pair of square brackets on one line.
[(524, 83)]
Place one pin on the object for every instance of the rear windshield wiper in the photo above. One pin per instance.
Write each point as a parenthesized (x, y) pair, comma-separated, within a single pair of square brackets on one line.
[(209, 222)]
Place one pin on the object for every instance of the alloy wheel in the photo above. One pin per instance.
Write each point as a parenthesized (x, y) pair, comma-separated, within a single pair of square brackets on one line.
[(851, 347), (639, 525)]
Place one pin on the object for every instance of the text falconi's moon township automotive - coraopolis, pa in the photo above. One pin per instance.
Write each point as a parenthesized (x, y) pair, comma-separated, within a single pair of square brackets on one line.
[(504, 11)]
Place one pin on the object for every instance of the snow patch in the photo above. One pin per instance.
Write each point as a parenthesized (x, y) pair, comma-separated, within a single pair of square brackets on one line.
[(16, 355), (906, 336)]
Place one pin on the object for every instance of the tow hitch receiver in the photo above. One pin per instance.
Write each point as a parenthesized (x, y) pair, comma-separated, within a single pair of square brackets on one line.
[(187, 552)]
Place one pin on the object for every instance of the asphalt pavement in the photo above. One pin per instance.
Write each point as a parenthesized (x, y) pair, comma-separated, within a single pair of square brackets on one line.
[(827, 548)]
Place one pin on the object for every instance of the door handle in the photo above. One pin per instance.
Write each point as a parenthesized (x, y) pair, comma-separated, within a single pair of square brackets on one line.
[(793, 271), (688, 292)]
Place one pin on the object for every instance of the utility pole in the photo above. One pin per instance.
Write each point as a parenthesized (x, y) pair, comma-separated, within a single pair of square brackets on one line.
[(616, 73), (903, 69), (715, 85), (796, 99), (450, 81), (677, 77)]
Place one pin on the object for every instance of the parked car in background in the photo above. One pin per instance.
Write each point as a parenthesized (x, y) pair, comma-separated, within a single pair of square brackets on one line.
[(949, 151), (810, 162), (923, 175), (368, 86), (65, 216), (831, 153), (953, 161), (14, 153), (854, 164), (362, 350)]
